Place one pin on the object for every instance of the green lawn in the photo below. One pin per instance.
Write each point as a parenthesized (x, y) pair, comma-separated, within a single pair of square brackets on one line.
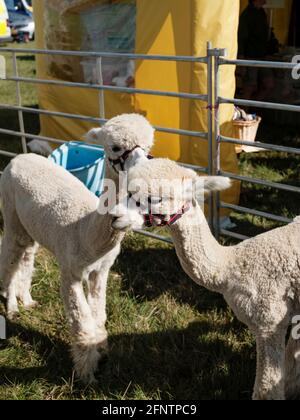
[(168, 337)]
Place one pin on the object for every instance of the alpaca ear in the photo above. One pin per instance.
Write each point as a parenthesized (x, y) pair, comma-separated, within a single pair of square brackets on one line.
[(206, 184), (94, 135), (216, 183)]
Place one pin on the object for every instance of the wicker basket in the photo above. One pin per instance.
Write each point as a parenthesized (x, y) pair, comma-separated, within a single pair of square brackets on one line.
[(245, 130)]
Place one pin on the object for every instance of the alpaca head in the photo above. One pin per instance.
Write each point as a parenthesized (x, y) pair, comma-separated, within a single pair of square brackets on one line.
[(163, 190), (127, 139)]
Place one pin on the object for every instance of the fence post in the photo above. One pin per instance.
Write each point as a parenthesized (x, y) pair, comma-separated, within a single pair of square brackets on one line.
[(210, 131), (213, 118), (101, 91), (217, 145), (217, 136), (19, 102)]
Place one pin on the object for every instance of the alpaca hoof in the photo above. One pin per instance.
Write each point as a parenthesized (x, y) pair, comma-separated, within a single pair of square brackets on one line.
[(86, 358), (31, 305), (13, 315)]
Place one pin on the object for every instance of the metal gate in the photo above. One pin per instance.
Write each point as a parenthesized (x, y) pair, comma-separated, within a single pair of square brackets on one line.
[(214, 59)]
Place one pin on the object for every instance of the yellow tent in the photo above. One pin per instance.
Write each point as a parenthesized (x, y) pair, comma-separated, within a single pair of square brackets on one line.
[(171, 27)]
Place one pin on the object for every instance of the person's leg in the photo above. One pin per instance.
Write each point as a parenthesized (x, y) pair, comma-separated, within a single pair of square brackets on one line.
[(266, 84), (250, 83)]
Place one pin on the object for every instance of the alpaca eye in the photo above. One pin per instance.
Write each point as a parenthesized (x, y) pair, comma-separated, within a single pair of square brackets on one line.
[(116, 149), (137, 202)]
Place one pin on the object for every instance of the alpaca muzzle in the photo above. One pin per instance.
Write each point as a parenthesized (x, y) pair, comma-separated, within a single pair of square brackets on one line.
[(125, 156), (150, 219)]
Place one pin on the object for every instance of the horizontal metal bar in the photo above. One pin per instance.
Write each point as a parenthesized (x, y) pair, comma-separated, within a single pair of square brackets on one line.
[(93, 54), (97, 120), (57, 141), (260, 145), (52, 113), (182, 132), (154, 236), (234, 235), (263, 214), (257, 63), (193, 167), (6, 153), (108, 88), (31, 136), (258, 104), (269, 184)]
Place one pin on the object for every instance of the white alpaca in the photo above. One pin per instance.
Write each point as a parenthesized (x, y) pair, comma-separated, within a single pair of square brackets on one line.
[(259, 278), (43, 203), (127, 140)]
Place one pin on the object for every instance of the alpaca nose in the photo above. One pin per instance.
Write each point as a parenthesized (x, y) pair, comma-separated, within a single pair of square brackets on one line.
[(136, 156)]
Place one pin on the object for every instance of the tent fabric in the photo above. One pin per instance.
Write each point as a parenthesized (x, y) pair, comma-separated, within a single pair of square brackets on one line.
[(171, 27), (217, 22), (58, 26)]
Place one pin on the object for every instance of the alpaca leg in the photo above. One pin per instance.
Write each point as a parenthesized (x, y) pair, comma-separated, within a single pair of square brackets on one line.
[(26, 272), (12, 251), (269, 384), (14, 244), (85, 343), (97, 283), (292, 369)]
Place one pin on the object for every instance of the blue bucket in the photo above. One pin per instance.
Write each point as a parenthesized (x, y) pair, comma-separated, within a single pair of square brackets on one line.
[(85, 161)]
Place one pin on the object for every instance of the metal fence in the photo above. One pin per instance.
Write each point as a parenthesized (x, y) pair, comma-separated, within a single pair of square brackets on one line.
[(219, 139), (214, 60)]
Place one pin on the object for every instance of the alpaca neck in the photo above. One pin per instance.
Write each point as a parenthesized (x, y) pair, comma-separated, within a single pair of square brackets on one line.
[(201, 256), (97, 227)]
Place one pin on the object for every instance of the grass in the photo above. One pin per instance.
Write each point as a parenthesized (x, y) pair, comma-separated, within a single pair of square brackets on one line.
[(169, 338)]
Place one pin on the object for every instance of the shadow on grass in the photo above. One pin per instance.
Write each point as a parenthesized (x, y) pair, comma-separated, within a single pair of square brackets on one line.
[(152, 272), (181, 364)]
